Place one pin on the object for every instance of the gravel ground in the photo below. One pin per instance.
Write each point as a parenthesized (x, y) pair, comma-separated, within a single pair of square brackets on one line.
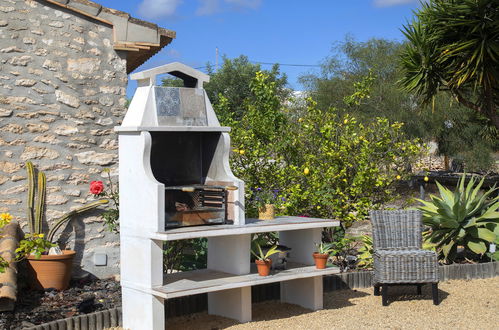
[(472, 304)]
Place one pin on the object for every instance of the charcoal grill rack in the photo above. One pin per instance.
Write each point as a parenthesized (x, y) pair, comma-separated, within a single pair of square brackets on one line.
[(206, 205)]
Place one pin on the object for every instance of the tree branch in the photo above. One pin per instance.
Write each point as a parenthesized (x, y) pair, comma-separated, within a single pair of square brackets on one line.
[(460, 98)]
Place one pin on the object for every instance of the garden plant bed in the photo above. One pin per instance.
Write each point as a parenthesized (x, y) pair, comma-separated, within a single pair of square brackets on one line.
[(83, 297)]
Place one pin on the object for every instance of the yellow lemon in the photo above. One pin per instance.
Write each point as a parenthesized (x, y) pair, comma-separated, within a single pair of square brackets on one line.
[(398, 177), (345, 121), (241, 152), (426, 179), (306, 171)]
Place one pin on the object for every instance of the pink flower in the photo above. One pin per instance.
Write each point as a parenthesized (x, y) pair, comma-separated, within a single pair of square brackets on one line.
[(96, 187)]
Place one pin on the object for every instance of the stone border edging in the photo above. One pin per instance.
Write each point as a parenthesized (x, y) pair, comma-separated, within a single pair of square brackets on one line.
[(197, 303), (363, 279), (93, 321)]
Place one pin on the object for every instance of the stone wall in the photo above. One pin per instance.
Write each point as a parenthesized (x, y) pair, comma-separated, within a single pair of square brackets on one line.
[(62, 90)]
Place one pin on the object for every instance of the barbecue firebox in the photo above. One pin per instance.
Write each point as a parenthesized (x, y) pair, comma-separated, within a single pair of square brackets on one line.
[(185, 150), (196, 205)]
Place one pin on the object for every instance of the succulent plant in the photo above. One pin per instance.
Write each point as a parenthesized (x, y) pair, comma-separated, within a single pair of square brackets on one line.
[(260, 255), (465, 217)]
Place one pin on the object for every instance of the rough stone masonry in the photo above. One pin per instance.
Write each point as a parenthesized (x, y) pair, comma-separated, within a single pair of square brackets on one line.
[(62, 90)]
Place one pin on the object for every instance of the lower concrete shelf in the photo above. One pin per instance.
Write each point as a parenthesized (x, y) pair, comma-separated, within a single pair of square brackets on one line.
[(207, 280)]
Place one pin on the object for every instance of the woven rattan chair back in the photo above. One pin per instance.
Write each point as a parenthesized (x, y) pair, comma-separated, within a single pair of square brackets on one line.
[(396, 229)]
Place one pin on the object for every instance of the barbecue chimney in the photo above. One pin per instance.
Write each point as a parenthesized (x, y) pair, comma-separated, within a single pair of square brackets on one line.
[(174, 156)]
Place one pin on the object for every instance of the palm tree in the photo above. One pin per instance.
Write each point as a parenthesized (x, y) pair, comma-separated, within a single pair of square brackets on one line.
[(453, 45)]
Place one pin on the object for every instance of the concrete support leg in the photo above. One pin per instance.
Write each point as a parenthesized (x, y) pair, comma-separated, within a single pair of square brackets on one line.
[(305, 292), (230, 254), (302, 244), (142, 310), (141, 270), (233, 303)]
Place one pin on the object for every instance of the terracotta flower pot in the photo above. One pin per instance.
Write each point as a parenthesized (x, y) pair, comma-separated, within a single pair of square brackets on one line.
[(52, 271), (320, 260), (263, 267), (266, 212)]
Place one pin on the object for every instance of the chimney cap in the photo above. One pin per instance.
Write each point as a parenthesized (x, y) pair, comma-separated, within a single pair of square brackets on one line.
[(191, 77)]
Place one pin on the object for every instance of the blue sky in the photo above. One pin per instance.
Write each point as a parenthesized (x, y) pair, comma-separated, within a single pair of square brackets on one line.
[(276, 31)]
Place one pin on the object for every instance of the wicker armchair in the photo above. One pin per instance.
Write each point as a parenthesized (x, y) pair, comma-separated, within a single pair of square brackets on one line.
[(398, 256)]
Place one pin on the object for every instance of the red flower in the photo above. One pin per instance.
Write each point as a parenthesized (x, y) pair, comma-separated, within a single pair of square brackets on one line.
[(96, 187)]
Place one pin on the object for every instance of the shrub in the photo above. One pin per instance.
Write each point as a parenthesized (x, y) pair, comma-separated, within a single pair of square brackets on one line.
[(365, 253), (322, 164), (464, 217), (342, 168)]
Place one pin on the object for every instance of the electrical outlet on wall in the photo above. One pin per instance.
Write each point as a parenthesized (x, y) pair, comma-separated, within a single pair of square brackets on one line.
[(100, 259)]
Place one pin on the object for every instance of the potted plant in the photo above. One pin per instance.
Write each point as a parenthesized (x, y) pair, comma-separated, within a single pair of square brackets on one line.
[(48, 265), (263, 261), (322, 254), (265, 200)]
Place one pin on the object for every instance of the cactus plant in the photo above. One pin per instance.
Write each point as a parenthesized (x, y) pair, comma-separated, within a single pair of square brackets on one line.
[(36, 204)]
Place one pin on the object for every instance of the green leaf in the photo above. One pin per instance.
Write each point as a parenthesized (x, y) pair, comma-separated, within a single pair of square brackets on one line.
[(491, 213), (494, 256), (471, 222), (446, 194), (477, 246), (449, 223), (485, 234), (446, 249)]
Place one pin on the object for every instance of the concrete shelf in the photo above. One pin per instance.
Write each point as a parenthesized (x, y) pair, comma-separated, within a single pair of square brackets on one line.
[(252, 226), (207, 280)]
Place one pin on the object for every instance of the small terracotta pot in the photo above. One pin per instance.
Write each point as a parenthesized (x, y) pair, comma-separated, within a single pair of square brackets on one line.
[(266, 212), (52, 271), (320, 260), (263, 267)]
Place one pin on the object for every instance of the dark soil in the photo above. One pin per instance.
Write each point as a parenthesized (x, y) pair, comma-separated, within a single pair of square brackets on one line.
[(83, 297)]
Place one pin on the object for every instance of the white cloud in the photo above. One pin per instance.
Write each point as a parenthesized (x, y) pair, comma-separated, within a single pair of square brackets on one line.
[(389, 3), (208, 7), (158, 8)]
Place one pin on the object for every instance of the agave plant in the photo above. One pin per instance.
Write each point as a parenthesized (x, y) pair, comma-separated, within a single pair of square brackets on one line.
[(466, 218), (257, 251), (324, 248)]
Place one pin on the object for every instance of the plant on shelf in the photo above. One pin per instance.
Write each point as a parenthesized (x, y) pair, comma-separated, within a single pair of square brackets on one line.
[(465, 217), (322, 254), (263, 261), (112, 214), (266, 201), (48, 266)]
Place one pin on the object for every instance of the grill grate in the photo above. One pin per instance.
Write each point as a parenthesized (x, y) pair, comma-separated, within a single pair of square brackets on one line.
[(195, 205)]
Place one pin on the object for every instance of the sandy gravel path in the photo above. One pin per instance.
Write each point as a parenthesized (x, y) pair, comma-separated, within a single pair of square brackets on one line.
[(472, 304)]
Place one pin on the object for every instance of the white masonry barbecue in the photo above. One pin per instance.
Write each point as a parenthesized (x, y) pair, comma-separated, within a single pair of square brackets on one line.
[(176, 183)]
